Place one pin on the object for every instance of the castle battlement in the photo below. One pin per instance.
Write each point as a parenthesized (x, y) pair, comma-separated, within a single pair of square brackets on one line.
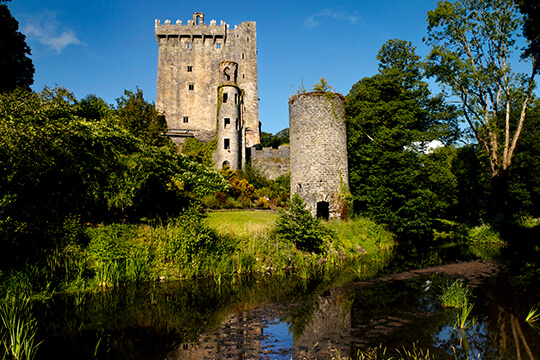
[(196, 27)]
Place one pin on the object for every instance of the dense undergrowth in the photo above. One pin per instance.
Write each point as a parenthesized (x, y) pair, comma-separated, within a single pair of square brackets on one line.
[(191, 245)]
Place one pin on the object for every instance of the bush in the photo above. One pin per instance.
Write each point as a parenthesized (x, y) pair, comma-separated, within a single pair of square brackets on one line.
[(298, 226)]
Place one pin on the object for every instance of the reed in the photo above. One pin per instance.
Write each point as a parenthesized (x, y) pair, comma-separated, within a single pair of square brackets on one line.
[(19, 329), (455, 295)]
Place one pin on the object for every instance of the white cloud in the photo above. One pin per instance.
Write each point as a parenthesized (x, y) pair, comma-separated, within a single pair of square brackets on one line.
[(313, 20), (48, 31)]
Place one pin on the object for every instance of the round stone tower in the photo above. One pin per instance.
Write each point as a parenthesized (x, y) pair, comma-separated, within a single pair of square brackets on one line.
[(319, 163), (229, 119)]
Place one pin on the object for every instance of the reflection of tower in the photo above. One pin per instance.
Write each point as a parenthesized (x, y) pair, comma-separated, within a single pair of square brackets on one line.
[(319, 168), (230, 130)]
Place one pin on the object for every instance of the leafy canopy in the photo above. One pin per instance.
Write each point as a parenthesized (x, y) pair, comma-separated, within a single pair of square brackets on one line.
[(391, 118)]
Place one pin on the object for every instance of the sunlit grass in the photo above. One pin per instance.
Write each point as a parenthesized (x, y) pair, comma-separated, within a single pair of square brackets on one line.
[(455, 295), (242, 223), (533, 316)]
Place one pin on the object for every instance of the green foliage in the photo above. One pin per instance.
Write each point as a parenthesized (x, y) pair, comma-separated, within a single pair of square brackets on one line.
[(296, 225), (16, 68), (472, 44), (322, 85), (56, 165), (531, 28), (484, 235), (200, 152), (455, 295), (275, 141), (391, 117), (141, 118), (18, 330)]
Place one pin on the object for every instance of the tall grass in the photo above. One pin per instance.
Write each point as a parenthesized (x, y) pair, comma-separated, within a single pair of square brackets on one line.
[(19, 329), (455, 295)]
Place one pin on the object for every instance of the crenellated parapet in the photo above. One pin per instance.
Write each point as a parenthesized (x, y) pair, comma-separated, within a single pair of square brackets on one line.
[(197, 28)]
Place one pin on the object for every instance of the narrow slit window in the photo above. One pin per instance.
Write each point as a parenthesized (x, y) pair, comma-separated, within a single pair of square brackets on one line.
[(191, 86), (227, 123), (190, 69), (185, 119), (227, 144), (235, 99), (225, 97), (242, 56), (188, 46), (237, 123), (218, 46)]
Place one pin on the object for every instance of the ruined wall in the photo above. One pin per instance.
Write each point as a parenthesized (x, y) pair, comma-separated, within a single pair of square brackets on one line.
[(318, 137), (189, 76), (271, 163)]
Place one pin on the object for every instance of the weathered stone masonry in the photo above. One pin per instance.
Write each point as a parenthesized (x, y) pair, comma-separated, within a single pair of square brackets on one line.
[(189, 76), (319, 163)]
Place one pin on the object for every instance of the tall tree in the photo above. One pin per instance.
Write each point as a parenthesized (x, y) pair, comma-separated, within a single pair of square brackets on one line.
[(16, 68), (472, 45), (141, 118), (391, 117)]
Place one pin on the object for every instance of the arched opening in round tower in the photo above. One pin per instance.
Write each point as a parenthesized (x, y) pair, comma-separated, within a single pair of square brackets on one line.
[(323, 210), (226, 164)]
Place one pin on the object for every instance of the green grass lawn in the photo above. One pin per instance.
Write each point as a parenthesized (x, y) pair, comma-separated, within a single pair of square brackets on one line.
[(242, 223), (351, 234)]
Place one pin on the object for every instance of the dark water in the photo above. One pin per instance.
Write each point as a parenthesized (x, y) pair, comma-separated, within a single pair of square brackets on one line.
[(282, 317)]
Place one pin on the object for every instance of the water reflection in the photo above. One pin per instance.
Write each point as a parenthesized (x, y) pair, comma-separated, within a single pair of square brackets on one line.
[(284, 318)]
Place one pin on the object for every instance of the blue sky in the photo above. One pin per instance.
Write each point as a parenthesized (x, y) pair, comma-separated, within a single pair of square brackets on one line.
[(103, 47)]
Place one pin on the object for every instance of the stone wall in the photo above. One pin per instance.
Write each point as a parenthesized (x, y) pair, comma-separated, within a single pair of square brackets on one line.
[(271, 163), (319, 163)]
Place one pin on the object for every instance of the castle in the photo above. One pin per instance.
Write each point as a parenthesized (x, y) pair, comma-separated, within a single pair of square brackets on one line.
[(207, 85), (207, 89)]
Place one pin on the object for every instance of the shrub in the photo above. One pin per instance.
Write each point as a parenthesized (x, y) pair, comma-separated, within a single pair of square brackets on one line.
[(298, 226)]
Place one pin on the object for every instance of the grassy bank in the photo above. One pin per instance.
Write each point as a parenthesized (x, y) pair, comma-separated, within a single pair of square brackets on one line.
[(220, 245)]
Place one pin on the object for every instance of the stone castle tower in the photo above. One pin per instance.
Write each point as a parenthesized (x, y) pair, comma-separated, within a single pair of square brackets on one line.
[(207, 85), (319, 163)]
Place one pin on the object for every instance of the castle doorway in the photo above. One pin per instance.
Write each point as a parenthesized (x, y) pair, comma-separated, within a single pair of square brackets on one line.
[(323, 210), (226, 164)]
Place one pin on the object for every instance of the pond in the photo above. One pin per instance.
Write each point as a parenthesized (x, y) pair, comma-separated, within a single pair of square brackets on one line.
[(282, 317)]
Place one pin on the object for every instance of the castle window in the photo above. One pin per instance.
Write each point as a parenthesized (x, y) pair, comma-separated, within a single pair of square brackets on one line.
[(225, 97), (189, 68), (242, 56), (227, 144), (191, 86), (185, 119), (227, 122), (235, 99), (188, 46), (218, 46)]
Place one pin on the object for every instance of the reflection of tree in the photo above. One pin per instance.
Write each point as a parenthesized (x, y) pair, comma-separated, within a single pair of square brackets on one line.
[(503, 320)]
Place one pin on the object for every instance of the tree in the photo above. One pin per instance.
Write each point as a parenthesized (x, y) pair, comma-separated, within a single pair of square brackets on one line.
[(141, 118), (391, 117), (472, 44), (16, 68), (297, 226), (531, 28)]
